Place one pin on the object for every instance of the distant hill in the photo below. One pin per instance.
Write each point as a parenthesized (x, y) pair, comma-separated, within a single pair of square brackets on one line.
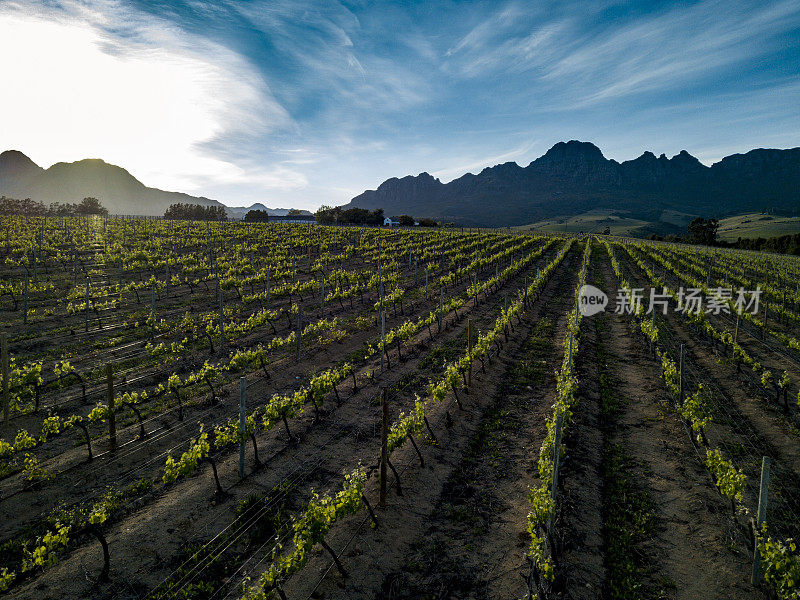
[(574, 177), (237, 212), (119, 191)]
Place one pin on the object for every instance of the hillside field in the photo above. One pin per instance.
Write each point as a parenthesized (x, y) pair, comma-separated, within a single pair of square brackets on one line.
[(755, 225), (619, 224)]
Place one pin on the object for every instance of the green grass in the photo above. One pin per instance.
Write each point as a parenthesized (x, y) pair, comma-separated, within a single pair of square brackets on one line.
[(618, 223), (755, 225), (595, 220), (629, 512), (530, 369), (749, 225)]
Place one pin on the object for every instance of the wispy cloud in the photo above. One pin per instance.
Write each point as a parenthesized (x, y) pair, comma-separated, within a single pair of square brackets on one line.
[(460, 166), (667, 50), (304, 102), (101, 80), (576, 59)]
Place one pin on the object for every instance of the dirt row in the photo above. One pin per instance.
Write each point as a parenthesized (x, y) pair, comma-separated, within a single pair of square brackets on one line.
[(745, 411), (137, 375), (458, 530), (160, 411), (769, 351), (181, 514), (665, 530), (639, 516), (201, 296)]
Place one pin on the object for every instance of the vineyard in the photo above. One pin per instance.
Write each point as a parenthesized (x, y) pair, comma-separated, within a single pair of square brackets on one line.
[(202, 410)]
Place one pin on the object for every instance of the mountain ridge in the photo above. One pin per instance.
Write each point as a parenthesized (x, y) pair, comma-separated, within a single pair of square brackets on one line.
[(116, 188), (70, 182), (573, 177)]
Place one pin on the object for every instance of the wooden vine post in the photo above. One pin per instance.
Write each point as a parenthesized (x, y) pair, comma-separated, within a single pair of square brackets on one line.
[(441, 306), (221, 315), (383, 337), (384, 448), (299, 331), (525, 301), (569, 360), (269, 273), (25, 303), (556, 456), (761, 515), (322, 309), (577, 309), (4, 358), (469, 350), (112, 416), (86, 308), (242, 411), (680, 373)]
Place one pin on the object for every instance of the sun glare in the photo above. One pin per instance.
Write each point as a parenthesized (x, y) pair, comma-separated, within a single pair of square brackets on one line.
[(144, 109)]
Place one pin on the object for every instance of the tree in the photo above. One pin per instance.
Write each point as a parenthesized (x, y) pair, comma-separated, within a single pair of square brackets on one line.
[(426, 222), (26, 207), (703, 231), (405, 221), (256, 216), (195, 212), (359, 216), (91, 206), (377, 217), (62, 210), (328, 215), (293, 212)]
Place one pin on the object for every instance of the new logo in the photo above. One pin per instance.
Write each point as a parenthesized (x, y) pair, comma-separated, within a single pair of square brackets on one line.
[(591, 300)]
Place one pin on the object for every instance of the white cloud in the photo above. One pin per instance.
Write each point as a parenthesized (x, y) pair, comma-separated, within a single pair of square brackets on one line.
[(571, 60), (149, 100)]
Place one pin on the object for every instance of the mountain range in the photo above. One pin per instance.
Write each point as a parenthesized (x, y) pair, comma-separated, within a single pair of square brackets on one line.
[(119, 191), (574, 177)]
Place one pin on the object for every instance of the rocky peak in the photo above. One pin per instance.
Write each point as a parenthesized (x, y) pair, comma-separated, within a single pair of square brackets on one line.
[(572, 152), (686, 163)]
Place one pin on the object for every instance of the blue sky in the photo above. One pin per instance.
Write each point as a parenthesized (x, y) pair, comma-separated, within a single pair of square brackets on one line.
[(295, 103)]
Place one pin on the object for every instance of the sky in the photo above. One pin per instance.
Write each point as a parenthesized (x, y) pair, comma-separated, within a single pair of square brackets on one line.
[(297, 103)]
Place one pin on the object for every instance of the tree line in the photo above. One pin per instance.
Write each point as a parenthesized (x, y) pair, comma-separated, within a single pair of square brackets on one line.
[(783, 244), (336, 215), (195, 212), (704, 231), (333, 215), (33, 208)]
